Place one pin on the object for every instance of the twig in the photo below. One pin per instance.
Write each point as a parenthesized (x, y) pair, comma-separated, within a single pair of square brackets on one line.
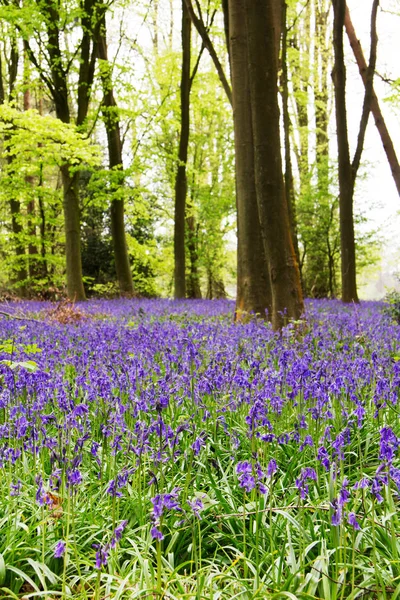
[(10, 316)]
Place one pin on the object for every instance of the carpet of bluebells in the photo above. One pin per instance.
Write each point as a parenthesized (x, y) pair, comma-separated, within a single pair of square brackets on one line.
[(155, 449)]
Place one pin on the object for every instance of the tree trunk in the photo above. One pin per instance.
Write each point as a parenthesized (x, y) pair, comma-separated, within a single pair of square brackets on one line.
[(112, 125), (289, 184), (193, 281), (321, 96), (375, 108), (34, 268), (75, 288), (287, 301), (44, 271), (181, 177), (253, 285), (59, 90), (346, 181), (19, 270), (202, 30)]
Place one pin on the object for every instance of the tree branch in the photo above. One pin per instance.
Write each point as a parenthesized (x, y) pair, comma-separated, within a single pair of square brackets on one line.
[(202, 30), (369, 80)]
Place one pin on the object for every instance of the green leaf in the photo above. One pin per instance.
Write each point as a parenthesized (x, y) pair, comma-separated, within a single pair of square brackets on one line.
[(2, 570)]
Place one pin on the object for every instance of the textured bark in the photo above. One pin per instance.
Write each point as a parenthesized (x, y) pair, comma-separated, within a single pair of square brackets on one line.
[(34, 266), (300, 91), (287, 301), (215, 287), (346, 180), (193, 280), (57, 84), (289, 184), (375, 108), (75, 288), (253, 285), (181, 177), (321, 95), (114, 144), (19, 271), (59, 91)]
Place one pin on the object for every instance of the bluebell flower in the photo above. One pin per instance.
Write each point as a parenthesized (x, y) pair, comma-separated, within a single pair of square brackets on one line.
[(352, 520), (59, 549)]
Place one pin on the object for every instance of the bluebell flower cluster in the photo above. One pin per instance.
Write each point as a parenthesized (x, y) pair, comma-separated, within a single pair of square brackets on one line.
[(130, 399)]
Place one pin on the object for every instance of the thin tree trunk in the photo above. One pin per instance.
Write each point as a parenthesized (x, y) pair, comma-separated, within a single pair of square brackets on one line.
[(43, 269), (375, 108), (34, 270), (287, 301), (193, 283), (346, 180), (181, 177), (19, 271), (253, 284), (112, 125), (321, 96), (202, 30), (289, 185)]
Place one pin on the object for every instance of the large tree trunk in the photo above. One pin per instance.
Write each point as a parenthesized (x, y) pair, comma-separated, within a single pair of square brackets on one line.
[(253, 285), (181, 177), (75, 287), (112, 125), (346, 180), (375, 108), (59, 91), (287, 301)]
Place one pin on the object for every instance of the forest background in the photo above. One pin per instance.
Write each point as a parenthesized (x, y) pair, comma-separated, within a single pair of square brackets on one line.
[(122, 66)]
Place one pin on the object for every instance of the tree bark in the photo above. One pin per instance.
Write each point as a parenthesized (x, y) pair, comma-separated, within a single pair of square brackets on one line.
[(34, 266), (253, 285), (181, 177), (289, 184), (375, 108), (19, 271), (112, 125), (346, 180), (321, 97), (287, 301), (193, 281), (59, 91)]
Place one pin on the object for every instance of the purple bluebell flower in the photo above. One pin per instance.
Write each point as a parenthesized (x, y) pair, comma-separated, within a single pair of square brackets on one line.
[(59, 549), (272, 468), (337, 512), (352, 520), (40, 493), (308, 441), (389, 443), (156, 533), (196, 505), (306, 474), (117, 534), (101, 555), (15, 488), (323, 457)]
